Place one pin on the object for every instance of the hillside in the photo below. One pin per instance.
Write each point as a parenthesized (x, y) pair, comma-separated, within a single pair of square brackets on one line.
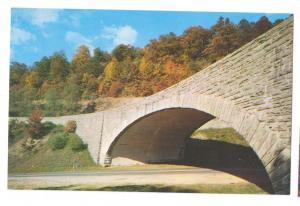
[(58, 86), (54, 151)]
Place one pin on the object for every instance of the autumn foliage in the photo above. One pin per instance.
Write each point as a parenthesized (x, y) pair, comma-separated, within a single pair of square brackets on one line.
[(57, 86), (70, 126), (35, 124)]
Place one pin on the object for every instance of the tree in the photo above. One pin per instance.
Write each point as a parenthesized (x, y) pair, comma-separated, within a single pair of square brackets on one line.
[(71, 95), (261, 26), (123, 52), (59, 67), (18, 73), (90, 85), (101, 56), (98, 62), (32, 80), (194, 40), (42, 69), (20, 104), (53, 105), (16, 131), (35, 124), (225, 39), (81, 59), (245, 31), (167, 46)]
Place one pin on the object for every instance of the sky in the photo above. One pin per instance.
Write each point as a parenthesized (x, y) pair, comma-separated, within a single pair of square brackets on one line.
[(36, 33)]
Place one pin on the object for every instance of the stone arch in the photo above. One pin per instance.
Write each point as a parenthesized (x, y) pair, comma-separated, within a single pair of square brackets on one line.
[(163, 131), (268, 145)]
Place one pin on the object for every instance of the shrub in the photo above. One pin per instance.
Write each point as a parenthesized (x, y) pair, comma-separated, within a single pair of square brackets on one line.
[(89, 107), (57, 129), (16, 131), (59, 141), (47, 128), (70, 126), (77, 144), (35, 124)]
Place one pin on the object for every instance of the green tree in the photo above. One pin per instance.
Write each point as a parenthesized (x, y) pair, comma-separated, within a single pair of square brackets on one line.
[(98, 62), (16, 131), (42, 69), (20, 102), (53, 104), (123, 52), (18, 73), (71, 95), (59, 67)]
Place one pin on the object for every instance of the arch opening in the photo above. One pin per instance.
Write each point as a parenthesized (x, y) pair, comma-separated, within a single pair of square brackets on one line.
[(165, 137)]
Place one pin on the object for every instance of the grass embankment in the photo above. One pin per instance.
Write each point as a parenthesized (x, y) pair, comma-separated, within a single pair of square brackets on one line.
[(194, 188), (222, 148), (228, 135), (234, 188), (41, 156)]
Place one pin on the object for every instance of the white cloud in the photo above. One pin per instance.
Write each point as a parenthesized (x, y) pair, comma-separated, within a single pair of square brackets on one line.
[(120, 35), (78, 39), (40, 17), (19, 36)]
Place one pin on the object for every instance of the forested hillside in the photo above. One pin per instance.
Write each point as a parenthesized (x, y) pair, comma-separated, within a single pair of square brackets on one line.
[(58, 86)]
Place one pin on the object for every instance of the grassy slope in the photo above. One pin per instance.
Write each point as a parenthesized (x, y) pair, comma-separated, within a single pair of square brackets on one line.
[(228, 135), (43, 159), (203, 188), (195, 188)]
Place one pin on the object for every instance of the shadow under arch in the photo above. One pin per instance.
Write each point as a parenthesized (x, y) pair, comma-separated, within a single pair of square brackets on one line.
[(163, 137)]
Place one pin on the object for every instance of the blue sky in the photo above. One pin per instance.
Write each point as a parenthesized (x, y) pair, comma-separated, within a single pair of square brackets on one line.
[(36, 33)]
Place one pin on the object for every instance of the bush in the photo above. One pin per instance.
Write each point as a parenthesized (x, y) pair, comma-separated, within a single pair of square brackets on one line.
[(59, 141), (47, 128), (35, 124), (89, 107), (77, 144), (70, 126), (16, 131)]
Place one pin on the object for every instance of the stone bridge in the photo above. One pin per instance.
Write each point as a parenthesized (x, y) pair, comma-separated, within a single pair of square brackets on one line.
[(250, 89)]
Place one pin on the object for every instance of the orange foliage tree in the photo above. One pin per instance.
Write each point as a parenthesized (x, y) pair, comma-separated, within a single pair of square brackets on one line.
[(35, 124)]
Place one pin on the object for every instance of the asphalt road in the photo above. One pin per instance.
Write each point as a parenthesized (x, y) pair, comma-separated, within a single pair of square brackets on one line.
[(117, 173), (166, 176)]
